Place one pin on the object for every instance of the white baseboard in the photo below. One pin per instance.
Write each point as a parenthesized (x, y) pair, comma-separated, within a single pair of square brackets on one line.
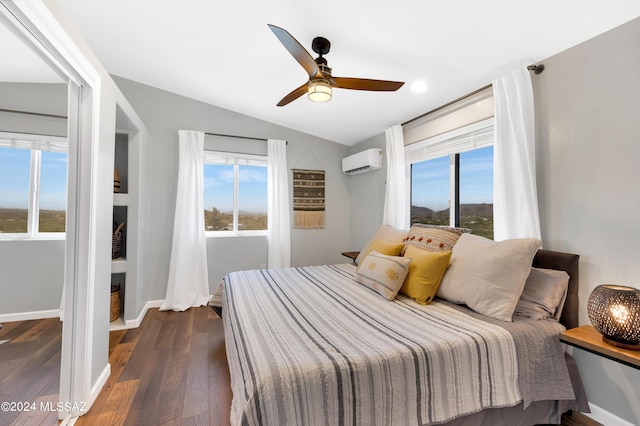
[(606, 418), (97, 386), (135, 323), (33, 315)]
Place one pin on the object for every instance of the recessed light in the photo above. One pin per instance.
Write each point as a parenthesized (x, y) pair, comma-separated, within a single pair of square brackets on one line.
[(419, 86)]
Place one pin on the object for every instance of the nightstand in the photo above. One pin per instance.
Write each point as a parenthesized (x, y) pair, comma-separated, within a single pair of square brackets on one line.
[(351, 255), (586, 337)]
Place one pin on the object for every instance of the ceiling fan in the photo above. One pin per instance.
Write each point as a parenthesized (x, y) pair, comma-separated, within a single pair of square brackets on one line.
[(321, 81)]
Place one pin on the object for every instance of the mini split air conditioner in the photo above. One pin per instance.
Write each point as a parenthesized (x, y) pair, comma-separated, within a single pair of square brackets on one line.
[(364, 161)]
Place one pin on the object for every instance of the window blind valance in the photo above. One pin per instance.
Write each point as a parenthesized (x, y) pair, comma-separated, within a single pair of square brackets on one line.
[(475, 136), (31, 141), (463, 112)]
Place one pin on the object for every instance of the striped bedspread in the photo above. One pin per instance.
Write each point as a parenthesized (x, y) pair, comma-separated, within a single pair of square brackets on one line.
[(310, 346)]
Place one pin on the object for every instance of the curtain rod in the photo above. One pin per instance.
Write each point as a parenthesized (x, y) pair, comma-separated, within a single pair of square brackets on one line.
[(240, 137), (235, 136), (40, 114), (447, 104), (536, 68)]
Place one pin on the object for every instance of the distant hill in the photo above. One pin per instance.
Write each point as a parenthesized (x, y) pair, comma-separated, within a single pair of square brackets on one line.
[(466, 210)]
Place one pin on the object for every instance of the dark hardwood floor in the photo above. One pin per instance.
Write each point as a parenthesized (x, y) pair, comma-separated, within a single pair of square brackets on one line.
[(30, 371), (172, 370)]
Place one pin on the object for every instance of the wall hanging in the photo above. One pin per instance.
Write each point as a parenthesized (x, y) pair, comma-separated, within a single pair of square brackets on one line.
[(308, 198)]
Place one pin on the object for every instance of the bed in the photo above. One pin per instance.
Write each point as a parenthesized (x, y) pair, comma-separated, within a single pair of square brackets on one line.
[(311, 346)]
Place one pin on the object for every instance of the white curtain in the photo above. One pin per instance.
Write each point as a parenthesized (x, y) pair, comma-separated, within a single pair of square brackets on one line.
[(515, 195), (279, 240), (396, 204), (188, 277)]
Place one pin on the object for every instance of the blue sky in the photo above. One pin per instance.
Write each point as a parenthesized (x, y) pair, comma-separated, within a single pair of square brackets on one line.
[(218, 188), (430, 180), (15, 165)]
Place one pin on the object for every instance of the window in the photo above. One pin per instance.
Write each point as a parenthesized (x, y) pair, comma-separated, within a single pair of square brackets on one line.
[(235, 193), (451, 179), (33, 191)]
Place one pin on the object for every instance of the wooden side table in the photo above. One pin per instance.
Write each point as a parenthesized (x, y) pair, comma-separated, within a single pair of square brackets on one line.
[(586, 337), (351, 255)]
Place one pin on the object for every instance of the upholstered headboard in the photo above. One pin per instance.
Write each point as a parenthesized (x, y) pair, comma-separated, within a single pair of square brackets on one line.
[(564, 262)]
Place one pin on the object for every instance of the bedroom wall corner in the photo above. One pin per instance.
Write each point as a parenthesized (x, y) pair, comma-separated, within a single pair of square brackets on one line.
[(587, 156), (366, 199)]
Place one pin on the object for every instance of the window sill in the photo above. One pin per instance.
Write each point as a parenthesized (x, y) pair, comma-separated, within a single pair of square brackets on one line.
[(53, 236), (240, 234)]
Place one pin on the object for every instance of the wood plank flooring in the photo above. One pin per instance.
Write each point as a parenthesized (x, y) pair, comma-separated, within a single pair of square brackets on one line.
[(30, 370), (172, 370)]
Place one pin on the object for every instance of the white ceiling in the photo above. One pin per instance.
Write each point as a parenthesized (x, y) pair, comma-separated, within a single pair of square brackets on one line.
[(222, 53)]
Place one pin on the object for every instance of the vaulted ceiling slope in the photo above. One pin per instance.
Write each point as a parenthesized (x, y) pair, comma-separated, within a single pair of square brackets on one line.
[(223, 53)]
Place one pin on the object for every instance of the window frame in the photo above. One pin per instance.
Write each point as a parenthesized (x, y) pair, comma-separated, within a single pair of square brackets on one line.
[(453, 143), (36, 144), (236, 159)]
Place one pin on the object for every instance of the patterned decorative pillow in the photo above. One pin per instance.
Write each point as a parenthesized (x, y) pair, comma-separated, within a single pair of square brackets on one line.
[(425, 273), (383, 274), (383, 247), (432, 237)]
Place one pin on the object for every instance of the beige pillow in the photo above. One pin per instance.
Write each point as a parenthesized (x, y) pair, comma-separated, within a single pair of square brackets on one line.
[(488, 276), (425, 273), (432, 237), (383, 274), (545, 292), (385, 233)]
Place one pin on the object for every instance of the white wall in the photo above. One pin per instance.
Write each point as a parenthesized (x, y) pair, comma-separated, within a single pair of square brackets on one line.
[(587, 115), (164, 114)]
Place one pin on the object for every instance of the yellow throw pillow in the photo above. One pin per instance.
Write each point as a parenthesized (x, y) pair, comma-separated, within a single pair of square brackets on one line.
[(383, 247), (384, 233), (425, 273)]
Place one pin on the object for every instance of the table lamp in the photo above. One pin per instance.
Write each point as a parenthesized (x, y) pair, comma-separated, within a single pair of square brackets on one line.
[(614, 311)]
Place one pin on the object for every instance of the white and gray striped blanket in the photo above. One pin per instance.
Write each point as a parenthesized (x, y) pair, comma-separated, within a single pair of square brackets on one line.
[(311, 346)]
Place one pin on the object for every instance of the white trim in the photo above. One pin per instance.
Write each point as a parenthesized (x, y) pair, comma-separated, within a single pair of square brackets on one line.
[(135, 323), (97, 387), (31, 315), (40, 28), (606, 418), (227, 234)]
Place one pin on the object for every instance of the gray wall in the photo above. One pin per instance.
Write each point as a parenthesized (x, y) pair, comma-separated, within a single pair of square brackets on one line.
[(588, 151), (164, 114), (32, 275), (367, 196), (32, 271), (587, 110)]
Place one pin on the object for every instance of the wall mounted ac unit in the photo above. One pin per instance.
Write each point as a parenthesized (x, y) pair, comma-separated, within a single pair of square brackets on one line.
[(364, 161)]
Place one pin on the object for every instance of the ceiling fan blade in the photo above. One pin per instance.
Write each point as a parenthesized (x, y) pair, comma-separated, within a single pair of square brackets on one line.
[(366, 84), (297, 51), (295, 94)]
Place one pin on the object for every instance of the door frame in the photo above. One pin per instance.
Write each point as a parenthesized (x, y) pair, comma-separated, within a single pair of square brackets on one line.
[(35, 22)]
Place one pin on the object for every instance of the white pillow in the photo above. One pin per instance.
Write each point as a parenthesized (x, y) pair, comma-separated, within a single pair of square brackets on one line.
[(545, 292), (488, 276), (383, 274)]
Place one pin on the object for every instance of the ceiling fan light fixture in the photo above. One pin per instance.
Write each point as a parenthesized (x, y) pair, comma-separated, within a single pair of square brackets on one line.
[(319, 91)]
